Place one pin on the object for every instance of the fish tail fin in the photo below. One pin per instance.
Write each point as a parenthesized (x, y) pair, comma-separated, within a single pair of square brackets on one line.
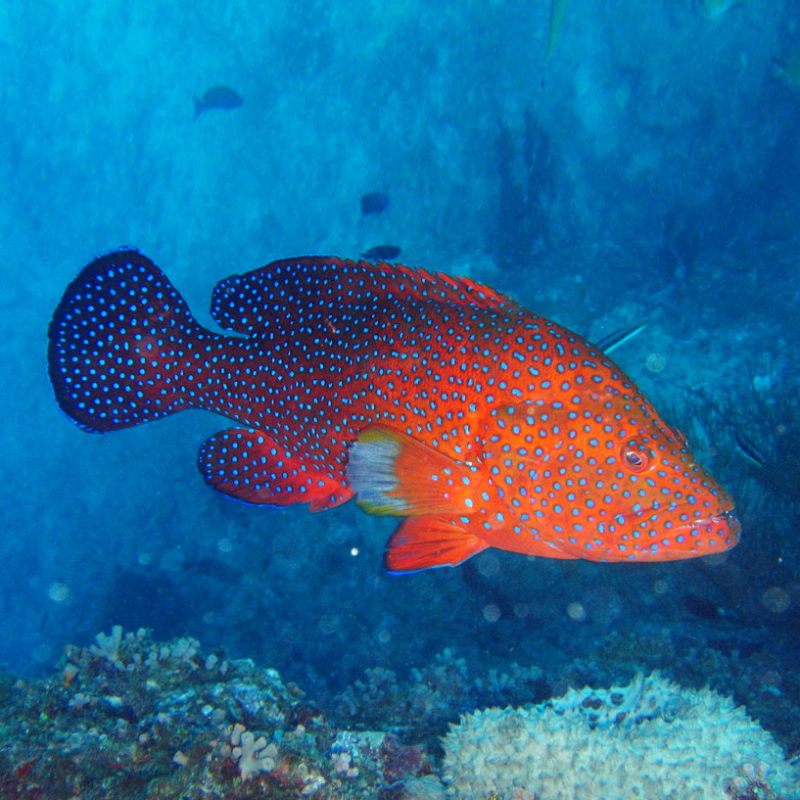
[(117, 342)]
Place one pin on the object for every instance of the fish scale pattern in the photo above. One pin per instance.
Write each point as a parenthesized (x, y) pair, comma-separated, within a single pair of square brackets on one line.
[(285, 293)]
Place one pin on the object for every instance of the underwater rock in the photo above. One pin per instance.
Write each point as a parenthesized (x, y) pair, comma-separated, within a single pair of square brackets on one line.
[(526, 180)]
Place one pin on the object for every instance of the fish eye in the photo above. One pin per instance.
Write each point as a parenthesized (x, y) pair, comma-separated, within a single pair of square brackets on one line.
[(635, 460)]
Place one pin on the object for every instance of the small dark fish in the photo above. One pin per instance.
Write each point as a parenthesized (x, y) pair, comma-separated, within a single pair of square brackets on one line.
[(700, 607), (750, 450), (383, 252), (217, 97), (374, 203)]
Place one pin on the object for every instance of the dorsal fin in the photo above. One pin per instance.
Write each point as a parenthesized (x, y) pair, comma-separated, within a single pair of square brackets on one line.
[(296, 288)]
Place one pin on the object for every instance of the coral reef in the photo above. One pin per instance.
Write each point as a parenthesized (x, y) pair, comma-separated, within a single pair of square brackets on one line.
[(420, 707), (651, 739), (128, 717)]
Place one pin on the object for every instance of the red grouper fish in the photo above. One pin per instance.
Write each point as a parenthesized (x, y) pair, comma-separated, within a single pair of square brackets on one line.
[(424, 396)]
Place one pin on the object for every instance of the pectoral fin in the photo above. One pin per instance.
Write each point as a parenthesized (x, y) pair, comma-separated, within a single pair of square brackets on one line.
[(393, 473)]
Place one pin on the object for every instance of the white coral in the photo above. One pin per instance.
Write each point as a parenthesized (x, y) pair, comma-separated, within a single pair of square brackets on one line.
[(671, 743), (252, 755), (108, 645)]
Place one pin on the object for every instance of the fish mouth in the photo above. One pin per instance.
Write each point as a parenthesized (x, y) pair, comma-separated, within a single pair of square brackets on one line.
[(724, 522), (726, 516), (702, 536)]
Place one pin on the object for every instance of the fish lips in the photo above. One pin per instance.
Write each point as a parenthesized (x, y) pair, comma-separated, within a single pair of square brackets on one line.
[(714, 533), (649, 536)]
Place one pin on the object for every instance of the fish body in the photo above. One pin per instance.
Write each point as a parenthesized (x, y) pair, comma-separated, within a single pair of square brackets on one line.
[(217, 97), (424, 396)]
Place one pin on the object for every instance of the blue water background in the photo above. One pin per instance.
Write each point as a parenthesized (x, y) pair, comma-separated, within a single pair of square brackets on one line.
[(652, 175)]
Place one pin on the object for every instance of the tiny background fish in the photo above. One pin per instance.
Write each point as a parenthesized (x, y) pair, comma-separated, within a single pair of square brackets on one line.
[(222, 97), (382, 252), (374, 203)]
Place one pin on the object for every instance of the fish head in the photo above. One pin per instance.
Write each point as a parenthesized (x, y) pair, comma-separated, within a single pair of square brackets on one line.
[(600, 477)]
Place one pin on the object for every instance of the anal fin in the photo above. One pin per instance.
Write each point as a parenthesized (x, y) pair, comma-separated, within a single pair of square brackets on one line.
[(427, 542), (249, 466)]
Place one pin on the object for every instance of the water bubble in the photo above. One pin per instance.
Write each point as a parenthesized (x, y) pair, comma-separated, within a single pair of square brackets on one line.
[(488, 565), (58, 591), (576, 611), (328, 623), (776, 600), (384, 636), (655, 363)]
